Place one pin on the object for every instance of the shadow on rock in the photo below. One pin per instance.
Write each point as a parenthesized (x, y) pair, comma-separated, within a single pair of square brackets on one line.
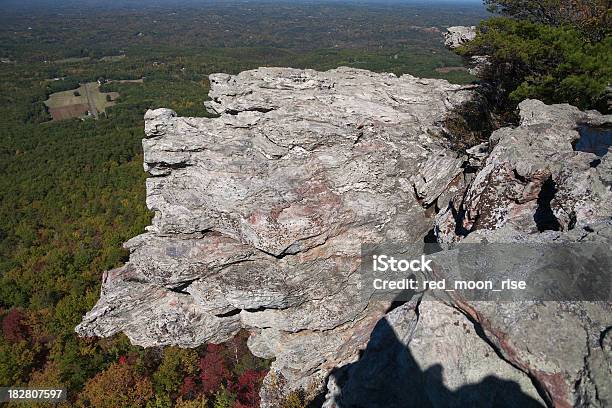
[(388, 376)]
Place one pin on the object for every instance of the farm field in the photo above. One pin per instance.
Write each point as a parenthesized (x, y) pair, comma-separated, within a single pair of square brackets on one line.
[(128, 81), (79, 102), (112, 58), (72, 60), (446, 70)]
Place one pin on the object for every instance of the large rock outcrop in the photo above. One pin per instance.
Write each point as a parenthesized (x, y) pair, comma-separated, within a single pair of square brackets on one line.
[(533, 186), (456, 36), (260, 214)]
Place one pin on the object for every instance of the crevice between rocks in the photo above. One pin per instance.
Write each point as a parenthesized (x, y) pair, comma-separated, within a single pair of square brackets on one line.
[(286, 252), (469, 124), (259, 109), (171, 166), (430, 209), (459, 216), (544, 217), (602, 336), (181, 287), (406, 296), (233, 312), (163, 169)]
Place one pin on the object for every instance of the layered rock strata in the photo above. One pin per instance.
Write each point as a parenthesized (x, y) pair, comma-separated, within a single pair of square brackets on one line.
[(260, 214)]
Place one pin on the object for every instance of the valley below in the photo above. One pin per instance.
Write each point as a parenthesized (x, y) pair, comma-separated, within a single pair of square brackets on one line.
[(285, 146)]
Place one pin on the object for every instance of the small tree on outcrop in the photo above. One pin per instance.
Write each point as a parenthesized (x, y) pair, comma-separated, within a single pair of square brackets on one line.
[(588, 15), (554, 64), (553, 50)]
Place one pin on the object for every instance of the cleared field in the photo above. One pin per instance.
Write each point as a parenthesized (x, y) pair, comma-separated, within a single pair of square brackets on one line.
[(70, 111), (79, 102), (72, 60), (446, 70), (129, 81), (112, 58)]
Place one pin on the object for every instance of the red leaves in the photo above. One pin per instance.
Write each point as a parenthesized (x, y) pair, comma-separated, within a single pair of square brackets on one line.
[(214, 369), (189, 388), (216, 365), (247, 388), (14, 327)]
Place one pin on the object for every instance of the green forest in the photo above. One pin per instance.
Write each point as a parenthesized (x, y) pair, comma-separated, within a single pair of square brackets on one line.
[(72, 191)]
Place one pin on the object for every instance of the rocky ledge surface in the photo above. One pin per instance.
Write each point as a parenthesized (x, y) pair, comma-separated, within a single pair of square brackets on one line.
[(260, 214)]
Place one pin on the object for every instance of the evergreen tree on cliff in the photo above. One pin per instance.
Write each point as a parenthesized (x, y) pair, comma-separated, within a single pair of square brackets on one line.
[(554, 50)]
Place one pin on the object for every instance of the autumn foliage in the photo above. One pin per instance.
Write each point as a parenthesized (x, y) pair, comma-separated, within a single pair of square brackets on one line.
[(213, 368), (14, 327), (212, 376), (247, 388), (118, 386)]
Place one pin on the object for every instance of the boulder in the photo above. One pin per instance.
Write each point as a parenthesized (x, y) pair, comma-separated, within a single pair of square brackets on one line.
[(458, 35)]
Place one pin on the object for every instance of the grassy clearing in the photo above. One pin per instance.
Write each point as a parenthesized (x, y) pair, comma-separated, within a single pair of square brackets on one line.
[(72, 60), (446, 70), (128, 81), (112, 58)]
